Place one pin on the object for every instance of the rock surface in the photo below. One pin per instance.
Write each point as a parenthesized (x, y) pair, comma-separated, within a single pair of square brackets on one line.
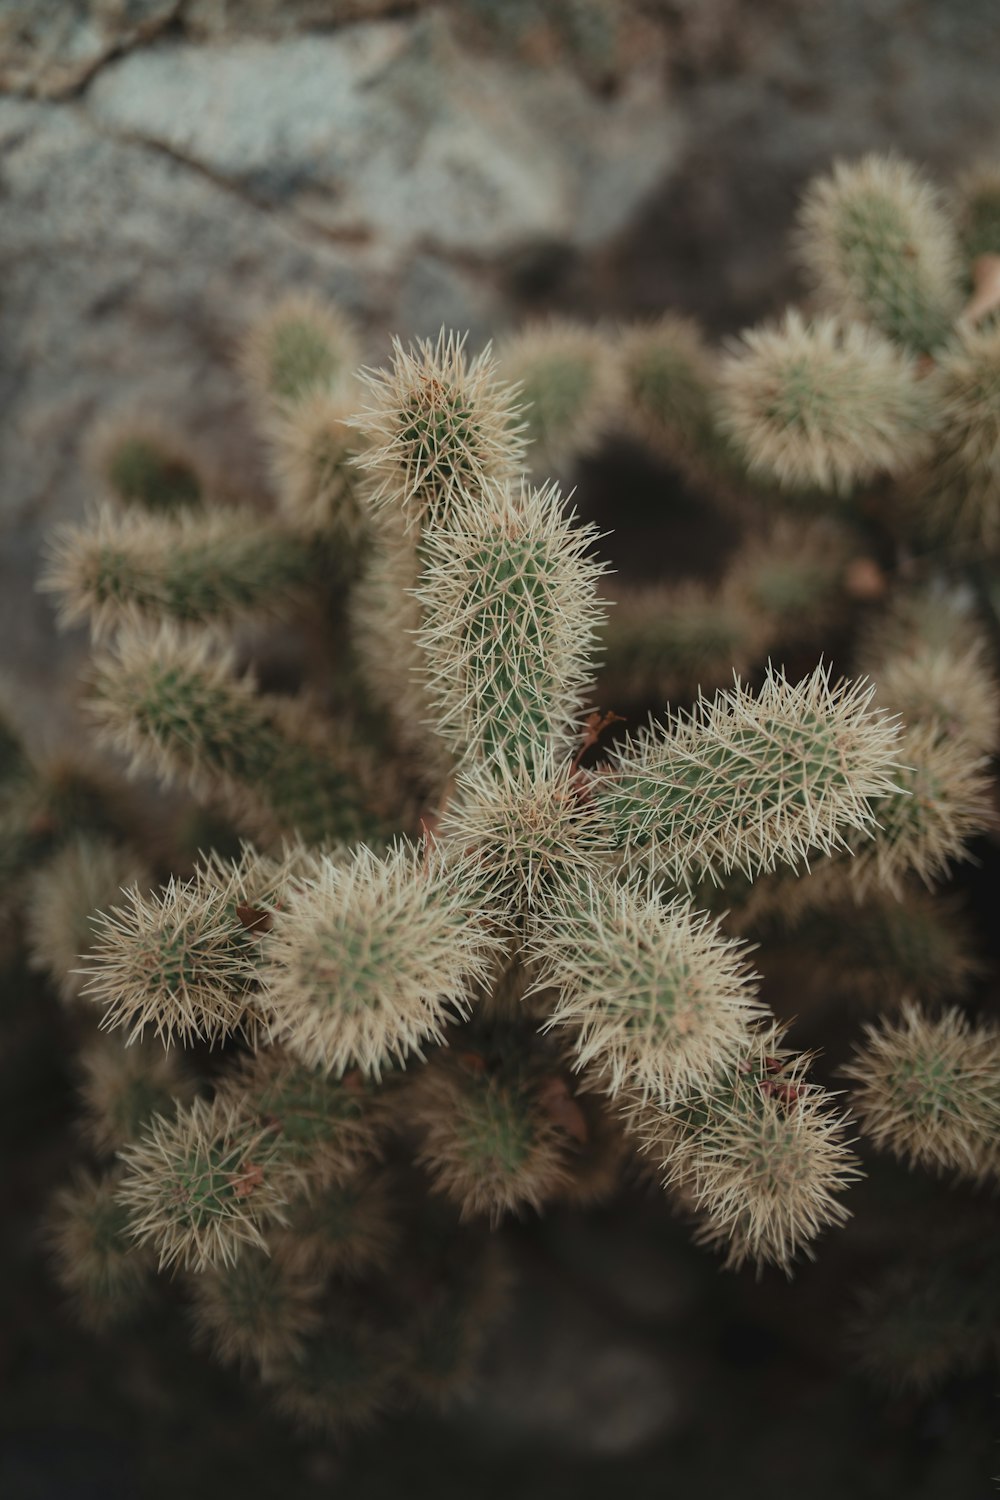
[(393, 137), (49, 48)]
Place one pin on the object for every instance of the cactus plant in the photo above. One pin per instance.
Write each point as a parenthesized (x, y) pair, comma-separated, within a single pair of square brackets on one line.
[(474, 954)]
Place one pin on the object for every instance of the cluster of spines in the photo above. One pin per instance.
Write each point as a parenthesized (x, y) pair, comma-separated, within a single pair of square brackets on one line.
[(759, 1157), (956, 489), (927, 1088), (370, 960), (437, 425), (824, 405), (490, 1139), (183, 962), (67, 848), (299, 363), (199, 1186), (517, 831), (929, 659), (669, 384), (122, 1089), (880, 247), (258, 1312), (301, 347), (673, 1004), (94, 1255), (569, 384), (140, 464), (84, 876)]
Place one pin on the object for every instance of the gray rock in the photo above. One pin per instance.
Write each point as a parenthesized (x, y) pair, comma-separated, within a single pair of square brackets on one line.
[(228, 18), (49, 48), (395, 135)]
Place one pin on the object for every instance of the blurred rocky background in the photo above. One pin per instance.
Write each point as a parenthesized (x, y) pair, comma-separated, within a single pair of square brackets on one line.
[(167, 168)]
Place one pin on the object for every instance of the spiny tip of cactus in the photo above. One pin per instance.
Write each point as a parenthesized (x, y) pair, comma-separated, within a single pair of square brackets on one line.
[(794, 575), (569, 384), (943, 797), (93, 1255), (437, 423), (957, 488), (195, 568), (676, 999), (367, 962), (301, 346), (313, 455), (518, 830), (202, 1185), (86, 875), (953, 690), (826, 405), (876, 238), (150, 682), (122, 1088), (761, 1158), (815, 754), (179, 961), (491, 1140), (928, 1089), (327, 1127), (668, 375)]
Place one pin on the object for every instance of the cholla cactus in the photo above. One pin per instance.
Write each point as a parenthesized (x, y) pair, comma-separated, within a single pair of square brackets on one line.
[(881, 248), (824, 405), (468, 936), (929, 1090), (897, 375)]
